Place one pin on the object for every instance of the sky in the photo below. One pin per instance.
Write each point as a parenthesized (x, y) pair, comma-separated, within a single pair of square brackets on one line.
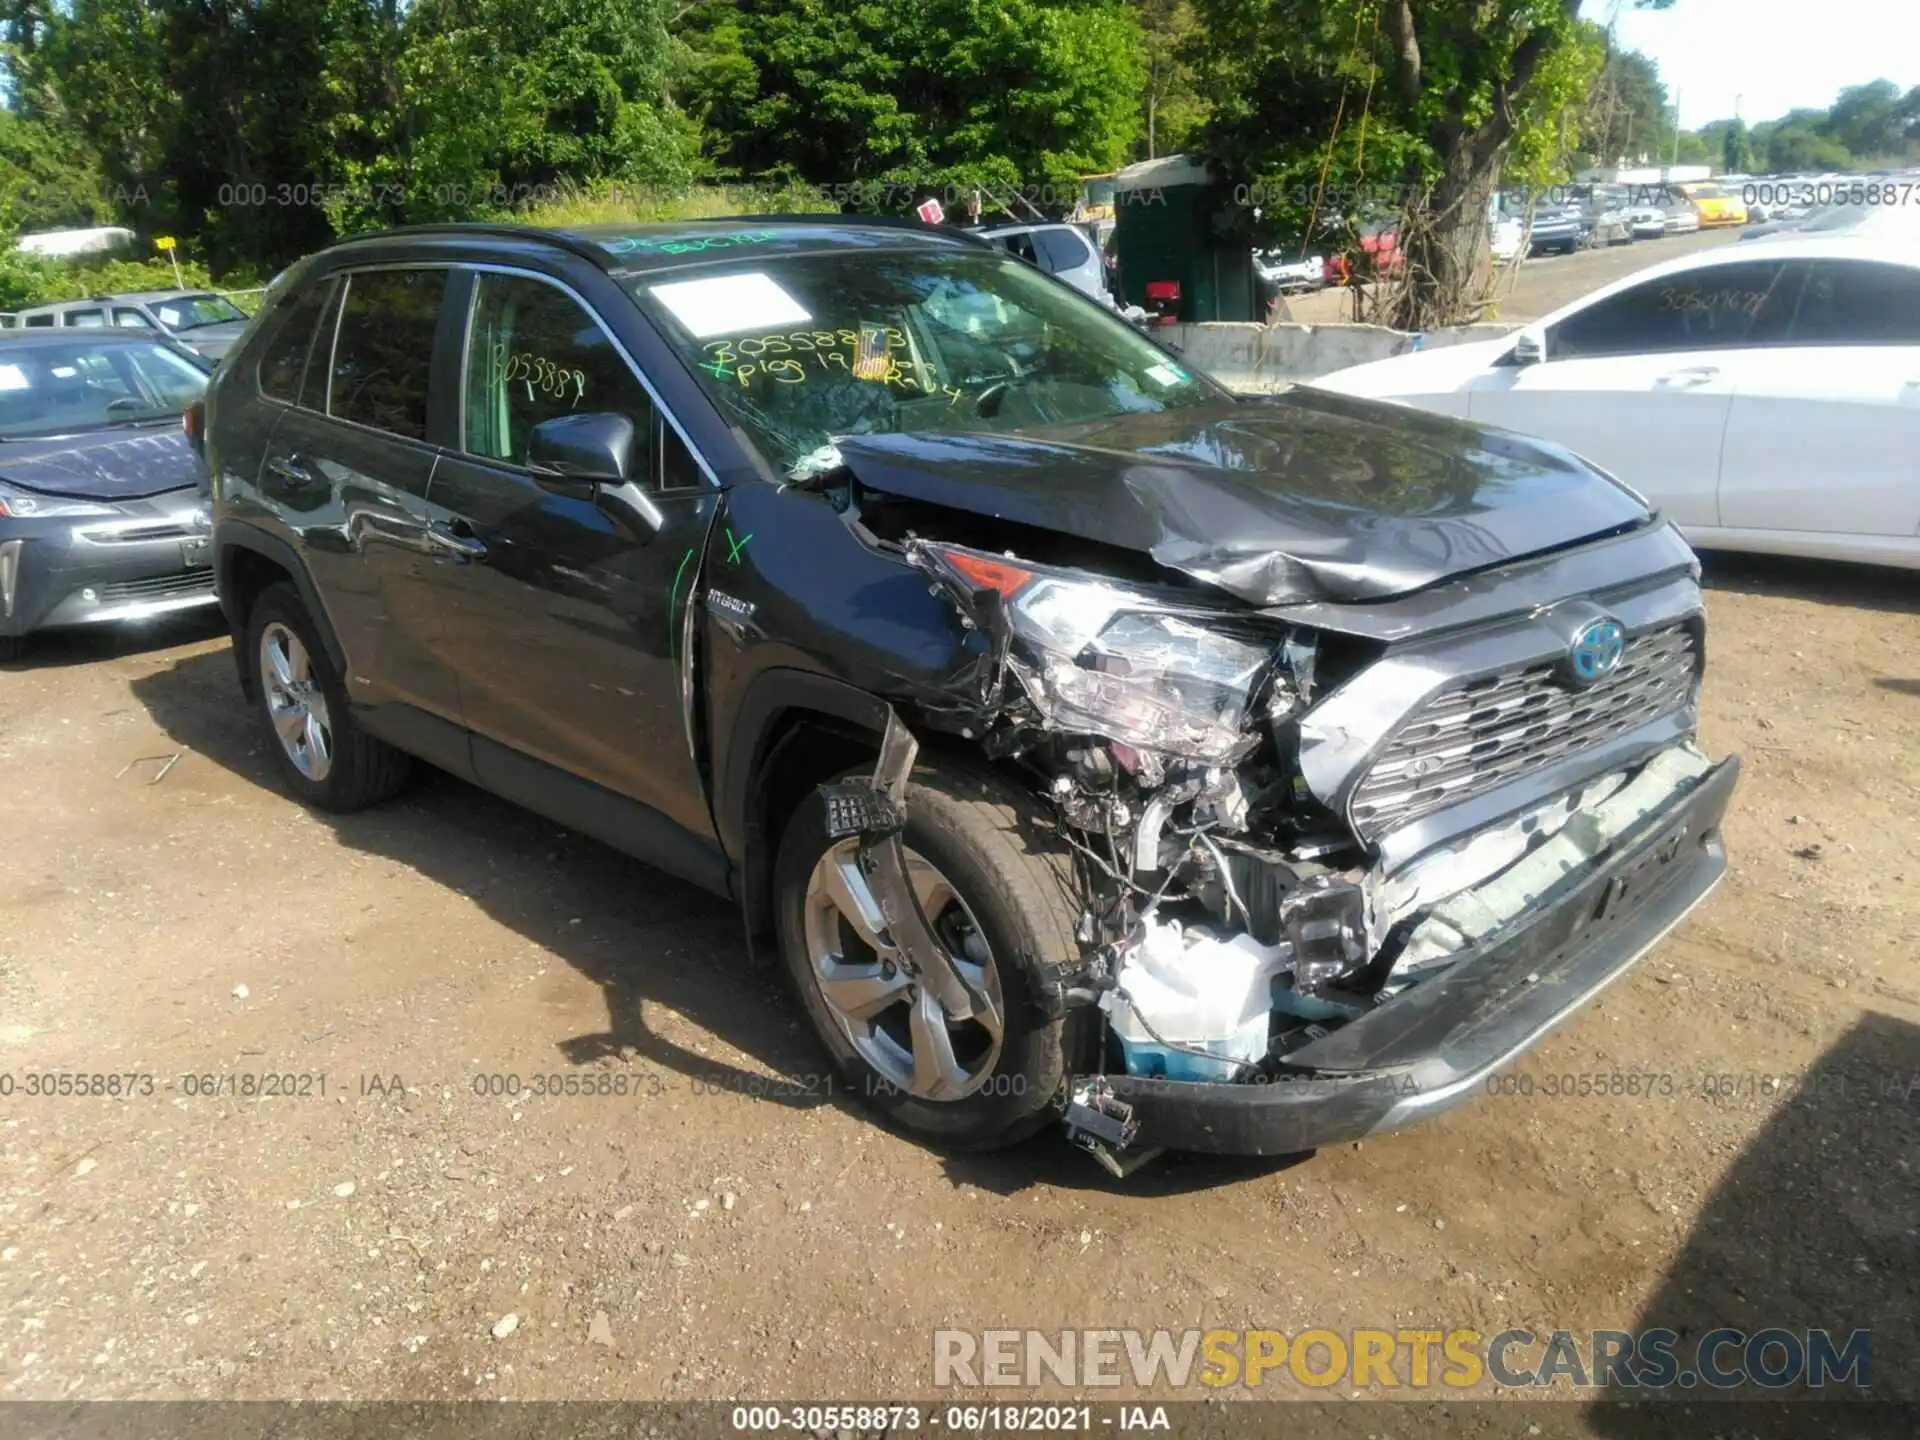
[(1768, 56)]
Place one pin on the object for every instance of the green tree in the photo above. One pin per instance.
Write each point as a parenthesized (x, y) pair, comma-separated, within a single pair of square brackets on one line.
[(925, 92), (1868, 119), (49, 177), (1435, 100), (1171, 105), (1626, 113)]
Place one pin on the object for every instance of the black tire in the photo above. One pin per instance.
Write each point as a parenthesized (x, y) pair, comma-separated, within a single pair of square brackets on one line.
[(996, 846), (364, 771), (12, 647)]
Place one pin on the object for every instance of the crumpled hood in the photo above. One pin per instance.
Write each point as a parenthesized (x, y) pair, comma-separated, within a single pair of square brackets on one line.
[(117, 464), (1301, 496)]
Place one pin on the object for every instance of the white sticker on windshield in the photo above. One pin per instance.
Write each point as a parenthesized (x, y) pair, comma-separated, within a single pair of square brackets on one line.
[(1164, 375), (728, 304), (12, 377)]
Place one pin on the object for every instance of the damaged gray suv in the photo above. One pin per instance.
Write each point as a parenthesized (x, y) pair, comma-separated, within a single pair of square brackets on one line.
[(1094, 745)]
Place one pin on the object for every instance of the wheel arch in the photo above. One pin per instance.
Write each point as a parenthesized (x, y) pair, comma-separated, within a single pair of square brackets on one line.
[(246, 562), (793, 730)]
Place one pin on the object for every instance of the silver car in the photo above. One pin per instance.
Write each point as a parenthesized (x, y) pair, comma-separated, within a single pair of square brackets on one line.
[(204, 322)]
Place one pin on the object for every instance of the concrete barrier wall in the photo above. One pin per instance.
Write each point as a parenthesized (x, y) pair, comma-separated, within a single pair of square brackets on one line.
[(1254, 358)]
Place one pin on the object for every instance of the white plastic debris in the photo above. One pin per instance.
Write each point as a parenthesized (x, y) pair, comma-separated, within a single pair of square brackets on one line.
[(1197, 992)]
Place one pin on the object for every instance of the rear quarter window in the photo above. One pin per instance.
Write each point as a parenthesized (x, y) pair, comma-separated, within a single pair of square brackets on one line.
[(284, 361)]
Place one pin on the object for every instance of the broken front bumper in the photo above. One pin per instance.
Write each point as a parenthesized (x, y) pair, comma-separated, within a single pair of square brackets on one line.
[(1436, 1044)]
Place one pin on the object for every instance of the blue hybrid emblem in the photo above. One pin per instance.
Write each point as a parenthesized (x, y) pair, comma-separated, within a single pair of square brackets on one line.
[(1595, 651)]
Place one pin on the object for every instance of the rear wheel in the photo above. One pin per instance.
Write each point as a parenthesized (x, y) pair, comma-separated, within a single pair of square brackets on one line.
[(998, 893), (328, 761)]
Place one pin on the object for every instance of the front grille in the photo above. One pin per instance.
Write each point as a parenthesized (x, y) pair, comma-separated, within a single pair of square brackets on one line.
[(1470, 738), (183, 586)]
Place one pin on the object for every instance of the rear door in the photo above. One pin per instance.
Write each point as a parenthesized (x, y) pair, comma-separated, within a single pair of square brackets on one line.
[(1825, 429), (348, 469), (567, 617), (1638, 382)]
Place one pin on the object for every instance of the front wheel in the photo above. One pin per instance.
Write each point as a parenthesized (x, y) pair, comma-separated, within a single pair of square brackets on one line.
[(998, 892)]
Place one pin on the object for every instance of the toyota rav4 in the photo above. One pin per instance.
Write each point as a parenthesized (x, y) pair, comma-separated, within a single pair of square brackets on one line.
[(1094, 745)]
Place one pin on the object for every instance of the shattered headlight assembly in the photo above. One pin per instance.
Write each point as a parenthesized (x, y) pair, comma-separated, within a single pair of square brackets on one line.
[(1102, 659)]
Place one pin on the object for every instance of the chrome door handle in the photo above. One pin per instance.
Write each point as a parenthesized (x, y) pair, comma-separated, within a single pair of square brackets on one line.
[(290, 469), (461, 547)]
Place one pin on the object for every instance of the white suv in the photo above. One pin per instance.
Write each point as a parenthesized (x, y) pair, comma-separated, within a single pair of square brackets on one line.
[(1063, 251)]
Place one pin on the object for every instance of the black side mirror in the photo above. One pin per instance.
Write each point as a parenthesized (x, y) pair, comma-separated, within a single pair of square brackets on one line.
[(575, 451), (591, 457)]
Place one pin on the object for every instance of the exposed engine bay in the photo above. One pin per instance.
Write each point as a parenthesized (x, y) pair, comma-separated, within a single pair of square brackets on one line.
[(1232, 915)]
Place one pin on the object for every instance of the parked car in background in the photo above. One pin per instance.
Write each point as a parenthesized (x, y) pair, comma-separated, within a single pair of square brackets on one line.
[(205, 323), (794, 571), (1647, 222), (1605, 211), (1509, 238), (1286, 272), (1716, 205), (1378, 248), (102, 512), (1765, 397), (1557, 230), (1890, 221), (1063, 251), (1681, 218)]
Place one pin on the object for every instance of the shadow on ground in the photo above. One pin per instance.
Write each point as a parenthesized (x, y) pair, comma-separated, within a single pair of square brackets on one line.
[(1815, 1227), (646, 939), (1826, 582), (91, 644)]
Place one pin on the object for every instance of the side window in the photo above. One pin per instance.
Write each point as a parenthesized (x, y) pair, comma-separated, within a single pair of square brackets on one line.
[(1061, 249), (533, 354), (38, 322), (87, 319), (383, 354), (1859, 302), (313, 389), (284, 362), (125, 319), (1713, 308), (1020, 246)]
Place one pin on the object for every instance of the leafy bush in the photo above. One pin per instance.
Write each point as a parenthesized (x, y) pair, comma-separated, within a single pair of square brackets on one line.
[(33, 280)]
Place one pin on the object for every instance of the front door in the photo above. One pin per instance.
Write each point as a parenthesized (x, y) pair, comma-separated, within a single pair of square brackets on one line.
[(567, 615), (1640, 383)]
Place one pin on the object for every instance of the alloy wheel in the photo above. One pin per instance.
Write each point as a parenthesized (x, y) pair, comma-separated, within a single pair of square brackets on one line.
[(295, 702), (895, 1023)]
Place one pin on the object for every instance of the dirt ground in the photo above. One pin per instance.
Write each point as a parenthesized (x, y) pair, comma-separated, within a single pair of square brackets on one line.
[(702, 1238)]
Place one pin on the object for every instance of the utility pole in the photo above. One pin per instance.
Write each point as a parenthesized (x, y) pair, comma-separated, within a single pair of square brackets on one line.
[(1676, 128)]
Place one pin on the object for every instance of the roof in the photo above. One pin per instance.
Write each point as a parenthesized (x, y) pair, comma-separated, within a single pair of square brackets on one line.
[(1895, 248), (1161, 174), (121, 297), (625, 248)]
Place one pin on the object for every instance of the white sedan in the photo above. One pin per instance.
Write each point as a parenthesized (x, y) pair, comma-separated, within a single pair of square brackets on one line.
[(1766, 397)]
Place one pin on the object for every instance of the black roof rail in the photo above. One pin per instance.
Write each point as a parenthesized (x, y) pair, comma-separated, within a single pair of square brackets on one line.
[(565, 239)]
